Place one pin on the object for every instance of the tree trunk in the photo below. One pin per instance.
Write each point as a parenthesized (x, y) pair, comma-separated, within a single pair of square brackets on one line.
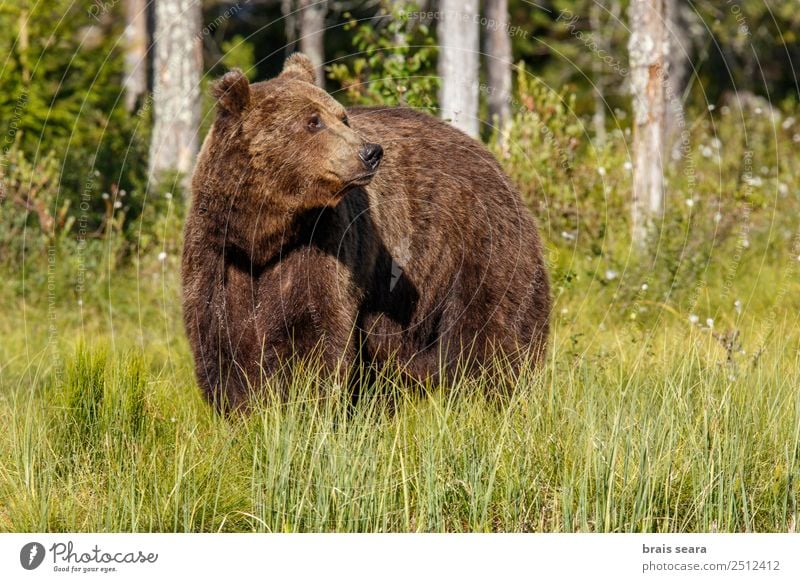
[(682, 26), (176, 86), (648, 49), (498, 68), (135, 80), (289, 25), (599, 78), (458, 63), (312, 34)]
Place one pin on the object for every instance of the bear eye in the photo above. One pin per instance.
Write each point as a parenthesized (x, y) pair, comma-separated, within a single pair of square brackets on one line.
[(346, 121), (315, 123)]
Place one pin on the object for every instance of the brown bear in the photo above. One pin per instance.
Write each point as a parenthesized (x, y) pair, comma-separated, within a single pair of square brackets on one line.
[(365, 235)]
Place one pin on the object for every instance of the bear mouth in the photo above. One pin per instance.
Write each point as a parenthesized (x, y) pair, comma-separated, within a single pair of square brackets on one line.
[(360, 180)]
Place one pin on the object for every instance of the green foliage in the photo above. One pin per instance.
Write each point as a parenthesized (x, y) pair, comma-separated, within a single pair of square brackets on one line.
[(753, 44), (60, 92), (728, 197), (32, 215), (733, 168), (239, 53), (395, 63), (158, 231), (580, 43), (578, 191), (730, 47), (539, 149)]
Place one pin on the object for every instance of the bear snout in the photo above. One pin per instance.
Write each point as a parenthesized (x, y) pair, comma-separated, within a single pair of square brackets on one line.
[(371, 155)]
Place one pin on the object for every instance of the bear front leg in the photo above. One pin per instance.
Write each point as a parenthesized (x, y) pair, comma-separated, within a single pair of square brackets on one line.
[(307, 313)]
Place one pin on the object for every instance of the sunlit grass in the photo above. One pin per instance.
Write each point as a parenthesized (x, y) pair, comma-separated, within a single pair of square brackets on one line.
[(631, 432)]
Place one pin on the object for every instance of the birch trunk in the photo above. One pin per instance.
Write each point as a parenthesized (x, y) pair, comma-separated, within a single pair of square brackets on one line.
[(648, 49), (599, 115), (680, 43), (499, 61), (135, 38), (458, 37), (176, 86), (312, 34), (289, 25)]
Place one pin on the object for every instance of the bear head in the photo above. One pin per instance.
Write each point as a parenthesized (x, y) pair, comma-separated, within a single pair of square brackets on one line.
[(283, 144)]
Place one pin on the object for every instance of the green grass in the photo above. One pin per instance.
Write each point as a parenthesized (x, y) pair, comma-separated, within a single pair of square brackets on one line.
[(653, 427)]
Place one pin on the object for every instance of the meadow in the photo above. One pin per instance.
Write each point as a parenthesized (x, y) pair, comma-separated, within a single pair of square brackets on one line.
[(669, 400), (666, 430)]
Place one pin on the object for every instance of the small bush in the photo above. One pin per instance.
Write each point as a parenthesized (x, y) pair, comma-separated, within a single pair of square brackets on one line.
[(395, 64)]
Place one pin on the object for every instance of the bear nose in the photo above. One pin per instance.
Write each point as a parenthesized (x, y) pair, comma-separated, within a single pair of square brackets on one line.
[(371, 155)]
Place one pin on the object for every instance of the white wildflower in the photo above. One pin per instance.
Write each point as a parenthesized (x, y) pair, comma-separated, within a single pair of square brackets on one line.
[(601, 170), (709, 322), (162, 256), (693, 319)]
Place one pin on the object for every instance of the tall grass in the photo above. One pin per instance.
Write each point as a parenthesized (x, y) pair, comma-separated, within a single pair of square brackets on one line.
[(669, 440)]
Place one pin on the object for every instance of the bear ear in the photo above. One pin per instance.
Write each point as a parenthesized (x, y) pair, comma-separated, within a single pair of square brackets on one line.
[(298, 66), (232, 92)]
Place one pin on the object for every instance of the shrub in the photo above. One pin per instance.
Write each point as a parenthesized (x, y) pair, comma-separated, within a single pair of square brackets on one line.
[(395, 63)]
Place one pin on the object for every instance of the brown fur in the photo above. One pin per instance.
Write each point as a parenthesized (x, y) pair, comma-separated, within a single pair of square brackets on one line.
[(434, 262)]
